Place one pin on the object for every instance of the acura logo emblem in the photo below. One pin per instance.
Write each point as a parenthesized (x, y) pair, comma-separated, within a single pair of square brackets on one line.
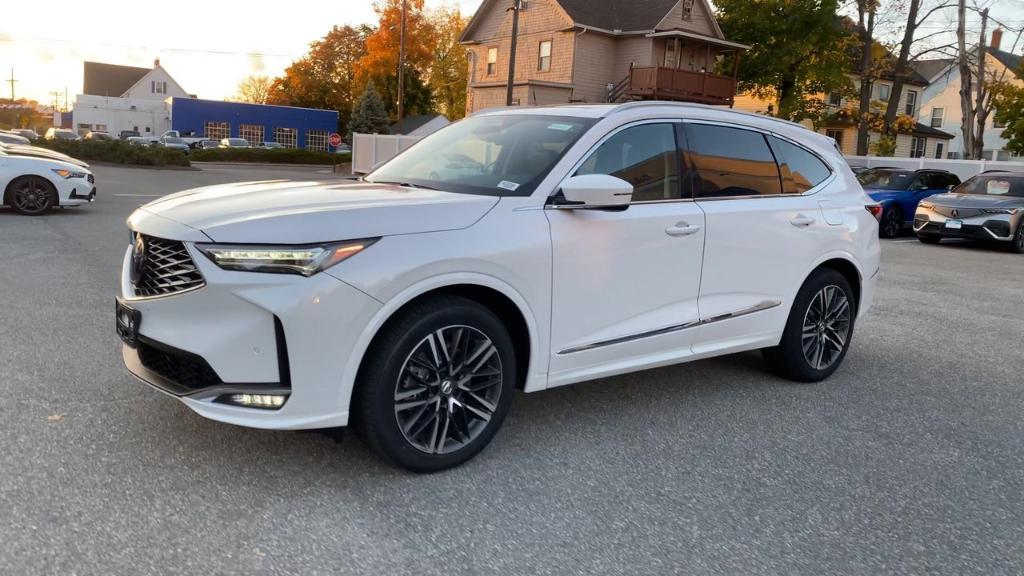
[(955, 213), (138, 259)]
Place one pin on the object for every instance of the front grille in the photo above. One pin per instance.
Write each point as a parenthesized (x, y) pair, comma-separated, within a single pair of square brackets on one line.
[(166, 268), (186, 372), (960, 212), (92, 179)]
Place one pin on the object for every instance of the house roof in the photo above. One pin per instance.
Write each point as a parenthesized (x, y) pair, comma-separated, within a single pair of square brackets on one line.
[(1011, 61), (925, 130), (930, 68), (110, 79), (625, 15)]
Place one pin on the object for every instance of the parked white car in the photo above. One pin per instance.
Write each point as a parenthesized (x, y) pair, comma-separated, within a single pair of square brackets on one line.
[(594, 241), (234, 143), (32, 185)]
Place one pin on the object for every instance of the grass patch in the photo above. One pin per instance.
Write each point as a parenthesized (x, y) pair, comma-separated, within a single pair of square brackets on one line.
[(117, 152), (275, 156)]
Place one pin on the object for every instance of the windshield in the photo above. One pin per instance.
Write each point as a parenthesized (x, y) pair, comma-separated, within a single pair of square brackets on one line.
[(994, 185), (495, 155), (886, 179)]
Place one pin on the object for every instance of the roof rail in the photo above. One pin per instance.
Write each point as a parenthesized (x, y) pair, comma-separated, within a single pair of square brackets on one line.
[(649, 103)]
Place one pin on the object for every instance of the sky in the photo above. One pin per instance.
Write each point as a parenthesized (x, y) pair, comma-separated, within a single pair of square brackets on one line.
[(208, 46)]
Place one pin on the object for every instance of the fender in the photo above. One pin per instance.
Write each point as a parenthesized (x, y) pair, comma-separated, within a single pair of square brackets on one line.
[(536, 378)]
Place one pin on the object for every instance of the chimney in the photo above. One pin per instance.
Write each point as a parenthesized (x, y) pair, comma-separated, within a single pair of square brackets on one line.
[(997, 37), (156, 63)]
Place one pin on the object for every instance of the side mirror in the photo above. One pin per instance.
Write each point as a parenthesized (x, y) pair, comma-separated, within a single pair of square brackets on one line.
[(595, 191)]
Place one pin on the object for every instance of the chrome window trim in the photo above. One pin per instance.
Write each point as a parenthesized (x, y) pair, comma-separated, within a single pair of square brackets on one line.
[(759, 307)]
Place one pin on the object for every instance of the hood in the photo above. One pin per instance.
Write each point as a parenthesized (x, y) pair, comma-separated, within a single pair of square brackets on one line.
[(976, 201), (287, 212), (39, 152)]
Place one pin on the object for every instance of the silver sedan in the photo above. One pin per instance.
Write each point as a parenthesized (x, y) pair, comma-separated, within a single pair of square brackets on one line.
[(988, 207)]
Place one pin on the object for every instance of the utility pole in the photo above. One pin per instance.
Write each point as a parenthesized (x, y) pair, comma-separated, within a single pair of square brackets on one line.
[(966, 106), (12, 81), (401, 63), (517, 5)]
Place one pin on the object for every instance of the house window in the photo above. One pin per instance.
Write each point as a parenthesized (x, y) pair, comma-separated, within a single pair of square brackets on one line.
[(544, 58), (157, 87), (492, 61), (938, 149), (835, 99), (911, 103), (835, 134), (937, 115), (286, 137), (917, 146), (687, 10), (316, 140), (216, 130), (251, 132), (883, 92)]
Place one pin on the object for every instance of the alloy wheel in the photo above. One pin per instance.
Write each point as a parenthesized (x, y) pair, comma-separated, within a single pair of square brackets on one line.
[(826, 327), (892, 223), (30, 197), (448, 389)]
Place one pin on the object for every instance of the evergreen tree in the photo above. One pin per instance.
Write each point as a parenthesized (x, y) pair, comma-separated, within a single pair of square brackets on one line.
[(369, 116)]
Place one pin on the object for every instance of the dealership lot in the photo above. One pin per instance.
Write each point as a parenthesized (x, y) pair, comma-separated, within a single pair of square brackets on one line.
[(909, 460)]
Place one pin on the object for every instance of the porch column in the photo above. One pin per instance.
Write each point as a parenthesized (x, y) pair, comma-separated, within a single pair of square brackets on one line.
[(735, 75)]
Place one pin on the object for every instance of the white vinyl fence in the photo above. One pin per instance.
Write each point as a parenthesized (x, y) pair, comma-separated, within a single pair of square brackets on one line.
[(962, 168), (368, 150)]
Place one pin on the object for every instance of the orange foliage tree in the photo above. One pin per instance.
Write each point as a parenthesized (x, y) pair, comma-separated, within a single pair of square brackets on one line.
[(380, 62)]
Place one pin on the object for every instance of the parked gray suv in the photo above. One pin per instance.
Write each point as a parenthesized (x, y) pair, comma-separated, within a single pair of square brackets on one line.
[(989, 207)]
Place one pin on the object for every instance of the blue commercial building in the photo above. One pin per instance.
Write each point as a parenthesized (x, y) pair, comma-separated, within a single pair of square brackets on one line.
[(257, 123)]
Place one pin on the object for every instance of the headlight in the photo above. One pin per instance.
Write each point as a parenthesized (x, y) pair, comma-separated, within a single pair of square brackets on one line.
[(283, 259), (64, 173), (928, 205), (1010, 211)]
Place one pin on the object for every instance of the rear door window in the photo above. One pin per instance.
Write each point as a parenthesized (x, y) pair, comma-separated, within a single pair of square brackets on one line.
[(731, 162)]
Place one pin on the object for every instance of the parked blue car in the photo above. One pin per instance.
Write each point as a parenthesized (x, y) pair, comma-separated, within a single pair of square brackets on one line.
[(899, 191)]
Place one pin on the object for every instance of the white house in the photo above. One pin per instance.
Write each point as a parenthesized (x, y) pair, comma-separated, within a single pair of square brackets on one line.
[(116, 98), (941, 99)]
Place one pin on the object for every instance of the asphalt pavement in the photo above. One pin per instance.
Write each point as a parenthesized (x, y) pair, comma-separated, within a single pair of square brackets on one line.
[(909, 460)]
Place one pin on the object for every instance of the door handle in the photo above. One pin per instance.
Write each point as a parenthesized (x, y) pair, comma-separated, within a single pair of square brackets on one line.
[(801, 221), (681, 229)]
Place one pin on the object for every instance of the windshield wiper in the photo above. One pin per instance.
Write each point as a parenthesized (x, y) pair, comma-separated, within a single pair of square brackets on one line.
[(407, 185)]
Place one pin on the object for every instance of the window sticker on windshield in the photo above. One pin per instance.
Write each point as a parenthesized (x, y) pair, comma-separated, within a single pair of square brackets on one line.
[(508, 185), (998, 186), (560, 127)]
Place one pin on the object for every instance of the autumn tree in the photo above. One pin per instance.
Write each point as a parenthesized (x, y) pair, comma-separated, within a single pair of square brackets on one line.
[(369, 115), (798, 49), (254, 89), (1008, 102), (449, 70), (325, 77), (379, 63)]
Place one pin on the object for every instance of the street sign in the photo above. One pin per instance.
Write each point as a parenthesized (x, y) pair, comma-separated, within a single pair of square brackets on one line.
[(335, 139)]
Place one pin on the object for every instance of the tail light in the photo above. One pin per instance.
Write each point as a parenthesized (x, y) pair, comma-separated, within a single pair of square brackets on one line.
[(875, 210)]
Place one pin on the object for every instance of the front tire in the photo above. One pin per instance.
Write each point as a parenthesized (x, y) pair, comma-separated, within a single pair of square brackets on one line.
[(1017, 244), (31, 196), (892, 222), (436, 385), (818, 331)]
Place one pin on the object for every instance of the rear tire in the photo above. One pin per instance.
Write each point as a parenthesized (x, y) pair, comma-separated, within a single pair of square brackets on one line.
[(818, 331), (436, 384), (892, 222), (31, 195), (929, 239)]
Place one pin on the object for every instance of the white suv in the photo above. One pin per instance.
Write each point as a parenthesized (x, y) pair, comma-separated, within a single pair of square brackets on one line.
[(585, 241)]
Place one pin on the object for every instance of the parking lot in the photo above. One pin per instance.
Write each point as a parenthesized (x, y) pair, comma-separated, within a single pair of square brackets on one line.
[(909, 460)]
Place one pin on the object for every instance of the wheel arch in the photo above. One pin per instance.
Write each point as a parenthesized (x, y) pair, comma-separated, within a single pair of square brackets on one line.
[(848, 269), (510, 307)]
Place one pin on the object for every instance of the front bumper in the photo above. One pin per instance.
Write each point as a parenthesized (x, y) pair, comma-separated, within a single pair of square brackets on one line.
[(75, 192), (245, 332), (992, 227)]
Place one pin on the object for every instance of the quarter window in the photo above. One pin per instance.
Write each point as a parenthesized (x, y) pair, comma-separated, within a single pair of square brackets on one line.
[(645, 156), (544, 58), (731, 162), (800, 169)]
